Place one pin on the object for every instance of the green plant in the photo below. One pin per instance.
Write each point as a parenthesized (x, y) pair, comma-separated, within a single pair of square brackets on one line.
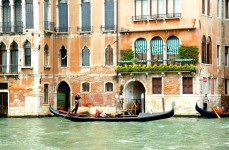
[(189, 52), (127, 54)]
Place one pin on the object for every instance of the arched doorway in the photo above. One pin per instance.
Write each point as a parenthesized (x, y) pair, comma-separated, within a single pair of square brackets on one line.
[(63, 96), (133, 97)]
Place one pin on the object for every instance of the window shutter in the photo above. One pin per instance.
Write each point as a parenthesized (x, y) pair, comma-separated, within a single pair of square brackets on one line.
[(29, 14), (187, 85), (18, 16), (157, 47), (109, 14), (63, 17), (157, 85), (173, 45), (86, 16), (85, 57), (6, 17)]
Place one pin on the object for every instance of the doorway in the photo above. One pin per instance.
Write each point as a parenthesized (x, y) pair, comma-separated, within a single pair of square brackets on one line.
[(63, 96)]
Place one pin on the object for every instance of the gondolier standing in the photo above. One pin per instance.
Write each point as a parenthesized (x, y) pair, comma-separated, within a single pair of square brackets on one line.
[(77, 98), (205, 102)]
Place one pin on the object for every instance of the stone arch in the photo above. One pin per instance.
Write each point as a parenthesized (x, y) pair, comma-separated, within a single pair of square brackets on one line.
[(63, 96)]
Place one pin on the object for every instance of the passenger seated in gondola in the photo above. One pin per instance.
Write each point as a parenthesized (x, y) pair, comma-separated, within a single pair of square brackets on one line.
[(99, 113)]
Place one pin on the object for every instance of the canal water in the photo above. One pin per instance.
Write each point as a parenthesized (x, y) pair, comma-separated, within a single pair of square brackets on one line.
[(54, 133)]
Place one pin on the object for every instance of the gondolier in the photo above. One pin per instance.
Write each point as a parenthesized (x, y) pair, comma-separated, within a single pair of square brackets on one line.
[(205, 102), (77, 98)]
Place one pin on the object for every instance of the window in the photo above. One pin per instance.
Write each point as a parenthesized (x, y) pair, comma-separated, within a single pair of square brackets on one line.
[(141, 9), (157, 9), (218, 55), (157, 48), (227, 9), (140, 46), (173, 44), (64, 57), (29, 14), (227, 86), (27, 55), (18, 17), (226, 56), (46, 89), (3, 58), (109, 15), (109, 55), (85, 87), (204, 53), (46, 15), (6, 17), (63, 16), (218, 8), (46, 55), (157, 85), (14, 57), (109, 87), (85, 57), (203, 6), (86, 15), (209, 51), (187, 85), (173, 8)]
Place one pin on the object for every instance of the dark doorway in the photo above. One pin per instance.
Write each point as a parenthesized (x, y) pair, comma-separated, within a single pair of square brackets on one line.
[(3, 104), (63, 96)]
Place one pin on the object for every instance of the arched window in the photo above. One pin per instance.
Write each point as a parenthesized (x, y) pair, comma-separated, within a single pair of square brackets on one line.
[(63, 16), (6, 16), (204, 52), (27, 54), (86, 87), (3, 58), (18, 17), (63, 57), (157, 48), (109, 87), (140, 46), (46, 55), (173, 45), (209, 51), (85, 57), (14, 57), (109, 55)]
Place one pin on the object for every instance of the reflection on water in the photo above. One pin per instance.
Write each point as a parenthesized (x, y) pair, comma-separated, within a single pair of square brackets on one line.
[(54, 133)]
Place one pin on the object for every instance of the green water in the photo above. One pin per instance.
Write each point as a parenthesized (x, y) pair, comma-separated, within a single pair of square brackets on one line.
[(54, 133)]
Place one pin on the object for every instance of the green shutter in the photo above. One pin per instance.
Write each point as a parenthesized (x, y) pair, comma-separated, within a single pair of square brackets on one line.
[(157, 46), (173, 44)]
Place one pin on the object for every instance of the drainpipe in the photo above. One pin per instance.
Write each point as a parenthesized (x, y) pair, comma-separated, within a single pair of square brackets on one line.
[(117, 40), (53, 49)]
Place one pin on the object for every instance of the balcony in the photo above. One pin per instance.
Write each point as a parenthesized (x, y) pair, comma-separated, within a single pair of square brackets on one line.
[(9, 69), (84, 29), (48, 26), (11, 27), (108, 28), (157, 17), (154, 66)]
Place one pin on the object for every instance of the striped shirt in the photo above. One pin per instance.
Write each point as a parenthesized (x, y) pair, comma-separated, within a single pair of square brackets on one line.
[(205, 99)]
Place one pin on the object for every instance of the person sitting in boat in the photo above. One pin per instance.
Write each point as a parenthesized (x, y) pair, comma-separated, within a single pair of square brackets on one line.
[(99, 113), (205, 102), (77, 98)]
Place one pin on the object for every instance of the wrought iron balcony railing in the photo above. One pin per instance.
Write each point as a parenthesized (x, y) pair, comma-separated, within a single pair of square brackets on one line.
[(85, 29), (157, 16), (49, 25), (11, 27), (107, 28), (9, 69)]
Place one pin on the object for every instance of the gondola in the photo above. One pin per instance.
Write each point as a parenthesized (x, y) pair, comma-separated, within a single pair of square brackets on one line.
[(142, 117), (210, 114)]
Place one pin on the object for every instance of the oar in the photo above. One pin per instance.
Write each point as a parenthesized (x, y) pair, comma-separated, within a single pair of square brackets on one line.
[(216, 113), (67, 114)]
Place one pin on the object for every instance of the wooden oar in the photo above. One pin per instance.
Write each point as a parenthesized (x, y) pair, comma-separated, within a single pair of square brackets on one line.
[(216, 113)]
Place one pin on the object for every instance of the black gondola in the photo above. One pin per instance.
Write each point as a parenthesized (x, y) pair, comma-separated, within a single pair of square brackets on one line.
[(120, 118), (210, 114)]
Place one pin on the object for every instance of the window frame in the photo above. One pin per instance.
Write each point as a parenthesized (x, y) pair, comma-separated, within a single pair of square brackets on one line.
[(85, 87), (109, 54), (156, 88), (109, 87), (226, 56), (46, 93), (187, 85)]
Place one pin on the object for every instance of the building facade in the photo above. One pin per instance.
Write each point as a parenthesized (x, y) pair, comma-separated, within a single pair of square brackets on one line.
[(53, 49)]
